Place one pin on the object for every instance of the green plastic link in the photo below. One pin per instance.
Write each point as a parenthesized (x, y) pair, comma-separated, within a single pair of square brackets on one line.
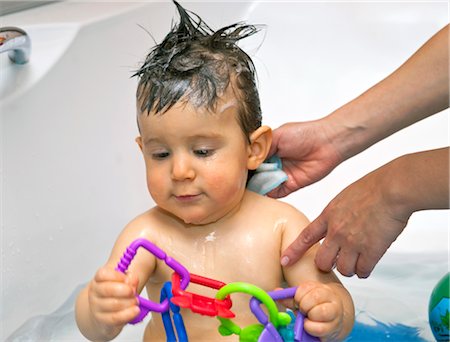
[(252, 332)]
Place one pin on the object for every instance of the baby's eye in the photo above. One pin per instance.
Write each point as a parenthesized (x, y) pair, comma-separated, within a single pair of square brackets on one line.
[(203, 152), (160, 155)]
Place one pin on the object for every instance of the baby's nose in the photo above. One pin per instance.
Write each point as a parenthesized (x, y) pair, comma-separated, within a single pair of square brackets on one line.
[(182, 168)]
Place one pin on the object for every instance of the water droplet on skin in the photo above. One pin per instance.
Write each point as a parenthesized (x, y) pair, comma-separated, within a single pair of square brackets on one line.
[(279, 224), (211, 237)]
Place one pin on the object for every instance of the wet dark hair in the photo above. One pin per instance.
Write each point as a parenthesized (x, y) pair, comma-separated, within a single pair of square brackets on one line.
[(196, 64)]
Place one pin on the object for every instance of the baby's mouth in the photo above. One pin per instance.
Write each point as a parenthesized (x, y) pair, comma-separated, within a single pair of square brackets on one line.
[(187, 197)]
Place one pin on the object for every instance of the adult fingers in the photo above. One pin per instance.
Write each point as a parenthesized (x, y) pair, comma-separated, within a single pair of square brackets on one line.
[(312, 234), (327, 255), (274, 145), (365, 264), (279, 192), (346, 262)]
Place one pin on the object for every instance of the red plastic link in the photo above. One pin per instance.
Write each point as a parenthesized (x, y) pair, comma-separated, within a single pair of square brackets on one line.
[(198, 303)]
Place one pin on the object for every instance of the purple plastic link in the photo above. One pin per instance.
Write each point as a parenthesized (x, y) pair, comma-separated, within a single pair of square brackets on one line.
[(177, 267), (270, 334), (266, 336), (144, 312), (298, 327), (300, 335), (126, 259), (155, 250), (147, 305), (283, 294), (276, 295), (256, 309)]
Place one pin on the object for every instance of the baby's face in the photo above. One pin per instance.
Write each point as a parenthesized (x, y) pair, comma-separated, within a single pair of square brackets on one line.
[(196, 161)]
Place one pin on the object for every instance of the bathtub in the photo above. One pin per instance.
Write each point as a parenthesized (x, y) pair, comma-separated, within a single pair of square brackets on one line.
[(72, 175)]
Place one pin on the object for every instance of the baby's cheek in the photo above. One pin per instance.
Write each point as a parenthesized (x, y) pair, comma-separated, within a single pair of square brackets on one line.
[(156, 186), (226, 185)]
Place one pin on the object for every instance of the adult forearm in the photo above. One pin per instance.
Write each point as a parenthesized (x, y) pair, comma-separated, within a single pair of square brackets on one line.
[(419, 181), (416, 90)]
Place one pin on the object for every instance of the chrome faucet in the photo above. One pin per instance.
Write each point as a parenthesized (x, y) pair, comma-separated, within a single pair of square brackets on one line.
[(17, 43)]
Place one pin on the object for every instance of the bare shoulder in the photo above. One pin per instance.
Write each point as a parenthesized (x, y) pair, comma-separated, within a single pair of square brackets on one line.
[(144, 225), (267, 205), (276, 213)]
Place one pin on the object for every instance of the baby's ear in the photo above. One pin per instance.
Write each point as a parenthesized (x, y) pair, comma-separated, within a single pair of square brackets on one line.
[(260, 141), (139, 142)]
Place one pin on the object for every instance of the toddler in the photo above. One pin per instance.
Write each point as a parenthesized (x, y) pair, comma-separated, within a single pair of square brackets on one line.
[(199, 120)]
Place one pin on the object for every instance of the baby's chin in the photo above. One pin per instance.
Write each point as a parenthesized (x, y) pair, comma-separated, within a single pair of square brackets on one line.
[(201, 216), (201, 219)]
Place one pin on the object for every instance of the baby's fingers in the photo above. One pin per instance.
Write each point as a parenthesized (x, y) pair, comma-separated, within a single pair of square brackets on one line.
[(109, 274), (111, 283), (119, 317), (113, 290), (133, 281), (316, 299), (320, 329), (108, 305), (325, 312), (311, 294)]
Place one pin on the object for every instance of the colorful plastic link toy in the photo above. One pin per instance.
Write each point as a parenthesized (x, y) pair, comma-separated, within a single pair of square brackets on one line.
[(166, 292), (276, 327), (145, 304), (201, 304)]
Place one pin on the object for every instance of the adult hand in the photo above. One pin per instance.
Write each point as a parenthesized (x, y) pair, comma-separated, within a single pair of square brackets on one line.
[(363, 220), (359, 225), (307, 153)]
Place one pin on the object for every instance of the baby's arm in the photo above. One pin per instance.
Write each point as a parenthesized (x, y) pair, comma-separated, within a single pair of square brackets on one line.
[(109, 301), (320, 295)]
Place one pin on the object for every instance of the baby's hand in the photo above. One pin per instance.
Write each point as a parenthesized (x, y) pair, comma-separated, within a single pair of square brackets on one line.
[(112, 298), (323, 309)]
